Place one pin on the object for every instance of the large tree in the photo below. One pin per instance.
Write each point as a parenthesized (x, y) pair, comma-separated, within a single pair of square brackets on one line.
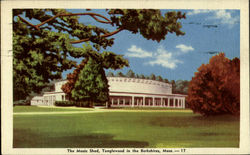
[(92, 84), (215, 88), (104, 60), (43, 38)]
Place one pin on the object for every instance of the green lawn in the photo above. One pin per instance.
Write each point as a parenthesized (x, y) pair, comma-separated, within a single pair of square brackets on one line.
[(17, 109), (125, 128)]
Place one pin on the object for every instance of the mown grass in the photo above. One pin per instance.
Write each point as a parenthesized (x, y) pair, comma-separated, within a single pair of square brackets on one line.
[(125, 129), (46, 109)]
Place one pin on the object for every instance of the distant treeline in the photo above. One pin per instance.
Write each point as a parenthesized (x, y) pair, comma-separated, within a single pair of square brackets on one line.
[(179, 86)]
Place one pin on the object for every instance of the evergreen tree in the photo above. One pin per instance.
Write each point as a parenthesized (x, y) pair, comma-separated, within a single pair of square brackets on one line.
[(142, 76), (91, 85), (159, 78), (130, 74), (120, 74), (152, 77), (166, 80)]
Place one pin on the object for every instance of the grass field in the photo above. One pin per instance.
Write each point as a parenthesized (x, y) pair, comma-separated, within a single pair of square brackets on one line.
[(46, 109), (123, 128)]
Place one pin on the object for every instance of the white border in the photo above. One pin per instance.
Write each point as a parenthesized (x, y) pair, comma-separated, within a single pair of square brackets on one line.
[(6, 61)]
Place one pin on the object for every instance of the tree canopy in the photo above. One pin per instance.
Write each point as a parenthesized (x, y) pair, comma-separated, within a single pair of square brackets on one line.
[(43, 40), (215, 88)]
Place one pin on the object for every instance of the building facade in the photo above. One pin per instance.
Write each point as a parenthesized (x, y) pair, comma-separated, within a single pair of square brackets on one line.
[(126, 92)]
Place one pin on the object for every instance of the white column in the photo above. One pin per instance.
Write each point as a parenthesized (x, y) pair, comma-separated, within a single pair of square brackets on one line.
[(174, 102), (178, 106), (118, 101), (161, 101), (124, 102), (184, 103), (137, 103), (168, 102), (143, 101), (133, 101), (112, 101), (153, 101)]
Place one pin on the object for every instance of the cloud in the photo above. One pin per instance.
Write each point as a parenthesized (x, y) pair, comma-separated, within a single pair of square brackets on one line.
[(161, 56), (194, 12), (184, 48), (134, 51), (225, 17), (164, 58), (221, 16)]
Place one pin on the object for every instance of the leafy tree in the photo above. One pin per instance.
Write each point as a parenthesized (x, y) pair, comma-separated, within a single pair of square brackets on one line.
[(181, 86), (130, 74), (159, 78), (102, 61), (110, 74), (152, 77), (215, 88), (42, 52)]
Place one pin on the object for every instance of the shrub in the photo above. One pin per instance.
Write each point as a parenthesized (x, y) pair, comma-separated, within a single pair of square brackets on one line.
[(65, 103), (22, 103), (83, 104), (99, 104)]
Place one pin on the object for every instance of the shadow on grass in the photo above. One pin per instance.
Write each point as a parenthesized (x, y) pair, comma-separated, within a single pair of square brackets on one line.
[(195, 121), (27, 139)]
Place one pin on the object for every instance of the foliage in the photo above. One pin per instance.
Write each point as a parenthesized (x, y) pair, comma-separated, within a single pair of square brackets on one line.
[(130, 74), (215, 88), (166, 80), (72, 78), (180, 87), (159, 78), (104, 60), (152, 77), (92, 84), (120, 74), (65, 103), (22, 102), (83, 104), (42, 52), (142, 76), (110, 74)]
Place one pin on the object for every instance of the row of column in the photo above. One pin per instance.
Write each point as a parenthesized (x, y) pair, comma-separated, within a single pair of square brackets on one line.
[(141, 101)]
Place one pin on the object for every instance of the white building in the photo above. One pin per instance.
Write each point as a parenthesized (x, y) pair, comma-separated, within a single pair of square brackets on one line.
[(127, 92)]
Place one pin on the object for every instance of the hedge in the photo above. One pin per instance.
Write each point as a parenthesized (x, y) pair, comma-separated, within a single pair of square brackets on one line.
[(64, 103), (78, 104)]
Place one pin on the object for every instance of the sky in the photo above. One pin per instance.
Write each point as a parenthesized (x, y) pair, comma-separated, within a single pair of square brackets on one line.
[(177, 57)]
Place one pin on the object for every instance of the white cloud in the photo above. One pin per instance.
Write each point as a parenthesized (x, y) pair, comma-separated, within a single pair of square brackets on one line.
[(161, 56), (225, 17), (134, 51), (194, 12), (164, 58), (184, 48), (221, 16)]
